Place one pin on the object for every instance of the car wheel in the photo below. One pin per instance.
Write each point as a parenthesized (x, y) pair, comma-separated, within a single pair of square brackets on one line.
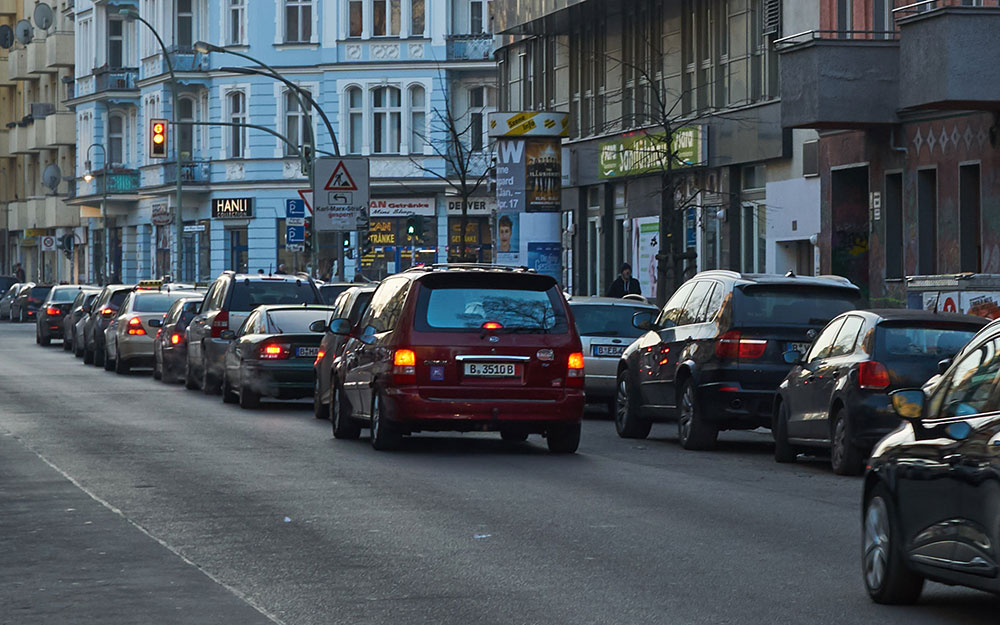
[(845, 458), (320, 410), (122, 367), (98, 355), (345, 426), (157, 370), (783, 450), (385, 435), (564, 439), (209, 383), (38, 337), (249, 398), (513, 436), (109, 364), (67, 343), (886, 575), (627, 421), (228, 394), (20, 315), (88, 357), (190, 380), (167, 374), (692, 430)]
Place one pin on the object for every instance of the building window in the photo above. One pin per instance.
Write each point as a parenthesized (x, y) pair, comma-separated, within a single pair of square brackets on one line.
[(237, 22), (356, 12), (482, 101), (296, 128), (355, 121), (386, 17), (116, 43), (927, 220), (386, 118), (417, 18), (237, 115), (298, 21), (185, 24), (892, 208), (185, 132), (970, 219), (477, 16), (116, 139), (418, 120), (844, 16)]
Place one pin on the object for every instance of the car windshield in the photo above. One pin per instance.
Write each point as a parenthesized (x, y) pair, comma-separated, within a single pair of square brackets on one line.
[(607, 320), (155, 302), (248, 295), (791, 305), (923, 340), (294, 321), (469, 308), (63, 296), (39, 292)]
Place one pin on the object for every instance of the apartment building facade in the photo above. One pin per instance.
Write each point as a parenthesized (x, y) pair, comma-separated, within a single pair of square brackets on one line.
[(384, 71)]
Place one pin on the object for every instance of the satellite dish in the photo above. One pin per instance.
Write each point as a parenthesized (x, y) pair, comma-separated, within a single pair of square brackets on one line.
[(6, 37), (51, 177), (43, 16), (23, 31)]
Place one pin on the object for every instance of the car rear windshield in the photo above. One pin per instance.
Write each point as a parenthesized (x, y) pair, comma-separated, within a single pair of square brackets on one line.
[(294, 321), (248, 295), (331, 291), (155, 302), (892, 340), (63, 296), (598, 320), (117, 298), (791, 305), (39, 292), (518, 305)]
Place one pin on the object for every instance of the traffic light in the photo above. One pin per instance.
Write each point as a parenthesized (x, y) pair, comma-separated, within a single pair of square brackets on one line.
[(157, 138), (307, 242), (365, 243), (345, 242), (415, 227)]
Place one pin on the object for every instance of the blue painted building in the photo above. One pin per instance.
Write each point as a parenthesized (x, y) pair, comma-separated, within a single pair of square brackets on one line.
[(391, 75)]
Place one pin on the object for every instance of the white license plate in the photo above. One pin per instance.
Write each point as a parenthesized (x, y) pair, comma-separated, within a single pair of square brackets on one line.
[(302, 352), (801, 348), (608, 351), (492, 370)]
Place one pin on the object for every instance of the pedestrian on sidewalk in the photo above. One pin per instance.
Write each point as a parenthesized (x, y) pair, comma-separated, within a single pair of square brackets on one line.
[(624, 284), (19, 272)]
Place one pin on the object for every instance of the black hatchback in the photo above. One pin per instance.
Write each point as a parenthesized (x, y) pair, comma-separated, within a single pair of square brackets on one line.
[(713, 358), (837, 394), (931, 503)]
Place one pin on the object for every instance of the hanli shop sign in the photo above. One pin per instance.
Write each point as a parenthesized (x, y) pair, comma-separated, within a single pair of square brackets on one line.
[(644, 153), (232, 208)]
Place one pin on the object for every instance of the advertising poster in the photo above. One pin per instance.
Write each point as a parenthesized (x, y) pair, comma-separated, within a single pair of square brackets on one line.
[(545, 258), (646, 243), (508, 240), (981, 304), (529, 175), (948, 302)]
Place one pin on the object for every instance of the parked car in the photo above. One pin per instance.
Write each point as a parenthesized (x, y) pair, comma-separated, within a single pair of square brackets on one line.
[(462, 348), (349, 305), (6, 282), (837, 394), (8, 299), (229, 301), (931, 504), (77, 310), (169, 344), (332, 290), (129, 339), (272, 353), (103, 311), (713, 357), (605, 328), (25, 306), (53, 311)]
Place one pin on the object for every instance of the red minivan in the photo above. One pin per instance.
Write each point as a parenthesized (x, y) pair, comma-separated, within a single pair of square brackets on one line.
[(461, 348)]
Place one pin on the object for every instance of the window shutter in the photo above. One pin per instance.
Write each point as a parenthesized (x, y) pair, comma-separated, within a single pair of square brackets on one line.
[(772, 17)]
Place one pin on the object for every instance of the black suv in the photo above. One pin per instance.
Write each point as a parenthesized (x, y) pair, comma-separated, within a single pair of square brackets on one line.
[(713, 357), (102, 311), (228, 303)]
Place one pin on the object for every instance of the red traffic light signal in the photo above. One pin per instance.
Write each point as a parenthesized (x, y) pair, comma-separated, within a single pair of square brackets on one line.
[(157, 138)]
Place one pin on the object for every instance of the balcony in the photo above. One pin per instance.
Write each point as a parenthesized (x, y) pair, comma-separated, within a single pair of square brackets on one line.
[(53, 212), (183, 59), (18, 139), (192, 172), (5, 143), (17, 215), (36, 138), (5, 74), (946, 55), (118, 181), (37, 58), (17, 64), (59, 50), (832, 79), (8, 7), (470, 47), (115, 79), (60, 129)]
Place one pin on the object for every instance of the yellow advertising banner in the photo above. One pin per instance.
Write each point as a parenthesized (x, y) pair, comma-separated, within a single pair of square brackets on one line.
[(529, 124)]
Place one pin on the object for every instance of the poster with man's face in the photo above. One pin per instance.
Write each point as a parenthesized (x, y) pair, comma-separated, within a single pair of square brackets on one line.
[(508, 243)]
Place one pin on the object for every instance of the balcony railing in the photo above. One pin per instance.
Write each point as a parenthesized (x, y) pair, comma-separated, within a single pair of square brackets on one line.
[(192, 172), (116, 78), (835, 35), (477, 47), (118, 181), (933, 5)]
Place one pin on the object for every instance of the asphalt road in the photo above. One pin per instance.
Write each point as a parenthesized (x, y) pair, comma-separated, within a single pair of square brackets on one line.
[(124, 500)]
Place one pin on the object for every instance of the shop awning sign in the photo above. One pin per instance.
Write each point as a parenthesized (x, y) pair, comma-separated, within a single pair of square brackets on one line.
[(645, 153), (340, 196)]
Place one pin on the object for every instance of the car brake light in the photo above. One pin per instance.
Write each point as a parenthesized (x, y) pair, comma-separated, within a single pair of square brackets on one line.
[(404, 366), (176, 339), (52, 311), (319, 357), (873, 376), (492, 325), (732, 345), (574, 370), (220, 323), (135, 327), (275, 351)]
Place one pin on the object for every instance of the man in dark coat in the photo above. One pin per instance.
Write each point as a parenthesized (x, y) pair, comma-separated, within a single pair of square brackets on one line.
[(624, 284)]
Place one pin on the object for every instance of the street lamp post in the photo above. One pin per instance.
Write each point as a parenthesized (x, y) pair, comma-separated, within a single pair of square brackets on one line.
[(175, 103), (88, 176)]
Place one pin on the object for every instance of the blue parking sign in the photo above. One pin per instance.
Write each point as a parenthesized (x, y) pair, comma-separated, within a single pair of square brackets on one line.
[(295, 234), (295, 208)]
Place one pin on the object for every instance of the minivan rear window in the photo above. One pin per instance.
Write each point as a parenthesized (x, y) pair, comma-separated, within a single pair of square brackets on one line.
[(250, 294), (791, 305), (468, 308)]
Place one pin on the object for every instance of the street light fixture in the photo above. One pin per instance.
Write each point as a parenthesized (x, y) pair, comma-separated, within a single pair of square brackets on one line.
[(88, 176)]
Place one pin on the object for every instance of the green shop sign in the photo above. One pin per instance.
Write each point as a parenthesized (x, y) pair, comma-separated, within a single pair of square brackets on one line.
[(647, 153)]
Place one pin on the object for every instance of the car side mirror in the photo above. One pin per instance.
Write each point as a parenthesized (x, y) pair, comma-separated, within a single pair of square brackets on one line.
[(317, 326), (643, 320), (85, 308), (227, 335), (341, 327), (792, 357), (943, 365), (155, 323), (909, 403), (368, 336)]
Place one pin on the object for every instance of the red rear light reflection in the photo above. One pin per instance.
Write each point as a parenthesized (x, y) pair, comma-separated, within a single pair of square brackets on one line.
[(732, 345), (492, 325), (873, 376), (574, 370), (52, 311), (135, 327), (220, 323), (404, 366), (176, 339), (275, 351)]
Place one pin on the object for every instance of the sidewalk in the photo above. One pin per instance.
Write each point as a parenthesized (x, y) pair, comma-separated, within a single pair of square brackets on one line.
[(66, 558)]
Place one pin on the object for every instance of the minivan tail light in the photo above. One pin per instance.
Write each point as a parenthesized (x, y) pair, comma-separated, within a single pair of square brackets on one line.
[(135, 327), (873, 376), (220, 324), (404, 366), (574, 370), (732, 345)]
